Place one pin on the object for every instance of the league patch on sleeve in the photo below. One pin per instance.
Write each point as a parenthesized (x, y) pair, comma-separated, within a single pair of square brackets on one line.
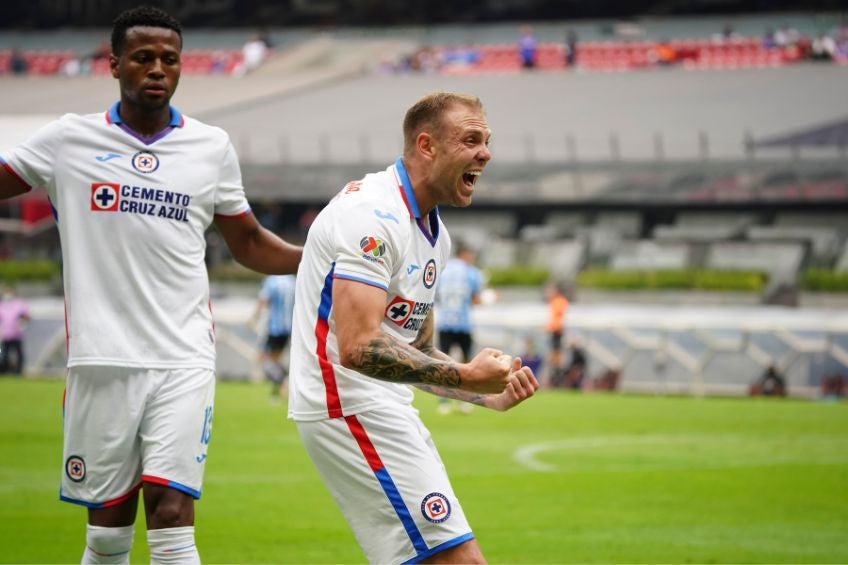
[(373, 249)]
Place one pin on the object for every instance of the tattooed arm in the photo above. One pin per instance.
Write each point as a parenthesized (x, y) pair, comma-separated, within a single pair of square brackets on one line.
[(424, 343), (521, 386), (358, 311)]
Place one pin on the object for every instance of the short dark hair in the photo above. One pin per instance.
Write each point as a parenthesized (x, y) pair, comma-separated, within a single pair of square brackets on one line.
[(427, 113), (146, 16)]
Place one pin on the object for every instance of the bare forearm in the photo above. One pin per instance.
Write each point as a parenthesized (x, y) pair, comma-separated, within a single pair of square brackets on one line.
[(267, 253), (464, 395), (389, 359)]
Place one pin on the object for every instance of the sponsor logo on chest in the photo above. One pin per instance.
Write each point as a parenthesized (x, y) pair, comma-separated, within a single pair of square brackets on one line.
[(139, 200), (407, 314)]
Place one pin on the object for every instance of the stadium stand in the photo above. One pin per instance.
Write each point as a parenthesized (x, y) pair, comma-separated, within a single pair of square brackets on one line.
[(565, 257), (824, 243), (692, 53), (781, 260), (647, 255), (654, 168)]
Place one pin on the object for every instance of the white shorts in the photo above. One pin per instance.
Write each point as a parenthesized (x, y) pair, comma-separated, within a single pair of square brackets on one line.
[(125, 425), (387, 478)]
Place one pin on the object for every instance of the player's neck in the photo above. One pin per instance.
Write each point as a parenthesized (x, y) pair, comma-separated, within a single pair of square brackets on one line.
[(145, 121)]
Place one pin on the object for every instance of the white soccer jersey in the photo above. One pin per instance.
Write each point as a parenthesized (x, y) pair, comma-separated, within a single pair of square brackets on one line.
[(132, 212), (371, 232)]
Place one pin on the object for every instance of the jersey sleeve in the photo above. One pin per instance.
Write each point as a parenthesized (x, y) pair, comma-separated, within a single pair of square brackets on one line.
[(230, 199), (476, 278), (368, 247), (33, 160)]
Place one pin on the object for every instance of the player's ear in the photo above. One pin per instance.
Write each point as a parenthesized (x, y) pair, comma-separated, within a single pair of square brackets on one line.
[(113, 65), (424, 143)]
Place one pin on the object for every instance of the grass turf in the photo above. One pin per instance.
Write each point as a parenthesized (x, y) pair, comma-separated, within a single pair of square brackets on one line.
[(563, 478)]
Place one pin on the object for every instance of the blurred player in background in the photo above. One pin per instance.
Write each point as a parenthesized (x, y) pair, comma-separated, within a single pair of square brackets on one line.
[(277, 298), (363, 331), (134, 189), (14, 316), (557, 307), (460, 286)]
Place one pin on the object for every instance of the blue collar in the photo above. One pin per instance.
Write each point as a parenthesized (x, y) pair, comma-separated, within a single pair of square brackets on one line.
[(176, 116), (407, 188), (430, 228)]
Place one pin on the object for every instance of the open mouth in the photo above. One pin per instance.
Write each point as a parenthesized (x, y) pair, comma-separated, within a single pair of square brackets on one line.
[(470, 178)]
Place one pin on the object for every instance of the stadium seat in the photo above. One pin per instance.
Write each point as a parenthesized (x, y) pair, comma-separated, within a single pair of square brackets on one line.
[(647, 255)]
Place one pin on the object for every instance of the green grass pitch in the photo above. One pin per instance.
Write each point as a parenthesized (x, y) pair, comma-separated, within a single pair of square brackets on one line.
[(563, 478)]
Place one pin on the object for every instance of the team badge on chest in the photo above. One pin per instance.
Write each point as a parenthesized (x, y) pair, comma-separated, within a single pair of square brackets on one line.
[(429, 277), (145, 162)]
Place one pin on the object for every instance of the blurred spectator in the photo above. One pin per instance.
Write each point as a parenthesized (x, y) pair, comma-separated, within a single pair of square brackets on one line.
[(727, 33), (840, 38), (527, 47), (833, 386), (219, 62), (424, 60), (771, 383), (823, 48), (608, 380), (71, 67), (253, 53), (86, 64), (574, 375), (786, 36), (570, 48), (557, 308), (531, 356), (666, 53), (769, 41), (17, 62), (98, 57), (459, 56), (14, 314)]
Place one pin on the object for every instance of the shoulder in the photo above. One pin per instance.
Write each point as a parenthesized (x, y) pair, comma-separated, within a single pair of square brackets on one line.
[(209, 132), (373, 196)]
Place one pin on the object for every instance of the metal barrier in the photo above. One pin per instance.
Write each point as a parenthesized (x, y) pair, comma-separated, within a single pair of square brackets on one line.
[(655, 348)]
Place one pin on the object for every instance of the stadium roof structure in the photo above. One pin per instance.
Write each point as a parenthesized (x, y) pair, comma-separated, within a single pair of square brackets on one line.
[(833, 134)]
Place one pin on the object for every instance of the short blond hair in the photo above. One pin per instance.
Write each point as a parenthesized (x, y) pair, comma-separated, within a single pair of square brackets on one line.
[(426, 114)]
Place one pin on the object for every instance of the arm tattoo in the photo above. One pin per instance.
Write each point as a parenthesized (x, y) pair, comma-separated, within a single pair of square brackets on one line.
[(389, 359), (464, 395)]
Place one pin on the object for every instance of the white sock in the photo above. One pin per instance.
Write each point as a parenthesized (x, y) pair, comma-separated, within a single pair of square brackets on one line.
[(107, 545), (173, 545)]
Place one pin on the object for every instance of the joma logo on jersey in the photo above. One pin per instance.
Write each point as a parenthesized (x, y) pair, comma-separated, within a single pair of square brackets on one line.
[(105, 196)]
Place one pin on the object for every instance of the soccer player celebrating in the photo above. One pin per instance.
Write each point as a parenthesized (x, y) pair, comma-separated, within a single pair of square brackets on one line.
[(363, 331), (134, 190)]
